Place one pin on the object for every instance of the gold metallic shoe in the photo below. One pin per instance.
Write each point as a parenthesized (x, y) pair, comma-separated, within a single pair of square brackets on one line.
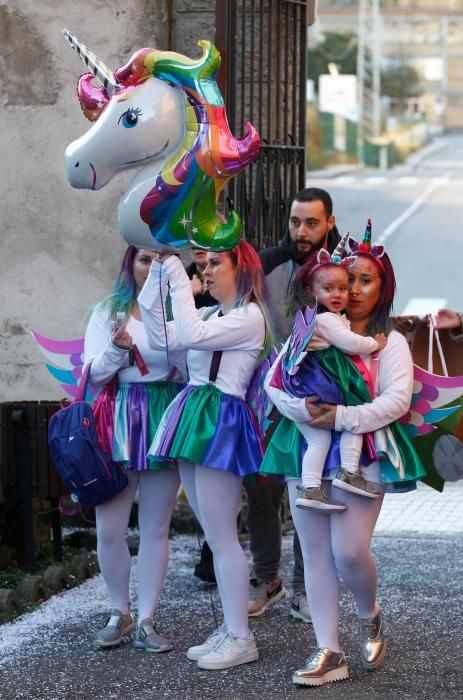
[(324, 666), (372, 642)]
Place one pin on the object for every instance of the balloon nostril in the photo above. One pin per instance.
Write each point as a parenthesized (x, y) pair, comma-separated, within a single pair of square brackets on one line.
[(76, 165)]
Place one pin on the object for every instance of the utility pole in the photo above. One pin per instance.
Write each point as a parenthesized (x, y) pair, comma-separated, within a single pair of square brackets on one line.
[(369, 37)]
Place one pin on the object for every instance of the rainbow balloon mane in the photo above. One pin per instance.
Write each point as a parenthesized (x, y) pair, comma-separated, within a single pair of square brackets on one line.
[(162, 112)]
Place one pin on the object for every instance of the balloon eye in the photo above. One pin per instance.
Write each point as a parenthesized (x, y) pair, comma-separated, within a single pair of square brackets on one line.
[(130, 118)]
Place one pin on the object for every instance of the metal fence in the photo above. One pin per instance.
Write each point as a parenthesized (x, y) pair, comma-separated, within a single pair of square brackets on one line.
[(263, 78)]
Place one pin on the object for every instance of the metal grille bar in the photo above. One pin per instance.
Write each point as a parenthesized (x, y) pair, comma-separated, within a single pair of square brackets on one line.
[(263, 79)]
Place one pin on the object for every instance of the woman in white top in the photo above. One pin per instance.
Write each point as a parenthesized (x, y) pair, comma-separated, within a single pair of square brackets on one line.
[(209, 428), (127, 414), (339, 545)]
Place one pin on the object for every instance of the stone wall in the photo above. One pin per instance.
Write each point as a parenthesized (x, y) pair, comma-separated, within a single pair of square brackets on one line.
[(61, 248)]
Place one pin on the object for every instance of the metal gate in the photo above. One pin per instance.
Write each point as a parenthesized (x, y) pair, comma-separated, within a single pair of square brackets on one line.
[(263, 79)]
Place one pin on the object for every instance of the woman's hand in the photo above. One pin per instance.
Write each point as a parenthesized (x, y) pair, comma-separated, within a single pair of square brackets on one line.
[(197, 286), (446, 318), (326, 420), (121, 339), (313, 408)]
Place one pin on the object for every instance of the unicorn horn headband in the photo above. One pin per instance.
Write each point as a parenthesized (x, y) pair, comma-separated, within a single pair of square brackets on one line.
[(324, 257), (97, 67), (365, 247)]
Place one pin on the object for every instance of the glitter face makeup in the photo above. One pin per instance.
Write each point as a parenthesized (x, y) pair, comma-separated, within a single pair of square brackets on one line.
[(364, 287)]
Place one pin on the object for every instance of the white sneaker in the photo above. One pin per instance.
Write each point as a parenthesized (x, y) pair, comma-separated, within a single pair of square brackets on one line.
[(230, 651), (194, 653), (300, 608)]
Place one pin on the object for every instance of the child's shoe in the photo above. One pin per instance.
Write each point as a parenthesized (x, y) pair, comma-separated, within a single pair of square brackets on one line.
[(316, 497), (355, 483)]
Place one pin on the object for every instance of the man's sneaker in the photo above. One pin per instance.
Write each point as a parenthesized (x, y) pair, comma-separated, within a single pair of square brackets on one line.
[(195, 653), (118, 625), (300, 608), (373, 644), (324, 666), (230, 651), (355, 483), (316, 497), (264, 594), (148, 639)]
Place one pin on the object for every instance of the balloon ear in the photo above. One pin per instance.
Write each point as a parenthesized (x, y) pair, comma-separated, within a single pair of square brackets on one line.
[(378, 251), (353, 245), (323, 257)]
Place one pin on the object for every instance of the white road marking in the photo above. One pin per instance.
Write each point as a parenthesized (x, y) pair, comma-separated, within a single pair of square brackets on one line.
[(434, 184), (407, 180), (345, 180), (420, 306)]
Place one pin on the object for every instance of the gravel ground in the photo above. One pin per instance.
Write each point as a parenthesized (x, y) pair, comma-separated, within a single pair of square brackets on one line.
[(49, 654)]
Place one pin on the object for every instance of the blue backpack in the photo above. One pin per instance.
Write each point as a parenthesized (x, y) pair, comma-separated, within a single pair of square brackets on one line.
[(91, 475)]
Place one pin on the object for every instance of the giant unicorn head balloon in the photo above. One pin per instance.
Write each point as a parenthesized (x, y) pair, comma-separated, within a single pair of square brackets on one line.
[(163, 113)]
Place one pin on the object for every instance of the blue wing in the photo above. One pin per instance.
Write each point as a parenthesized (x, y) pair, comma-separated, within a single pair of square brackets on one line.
[(299, 339)]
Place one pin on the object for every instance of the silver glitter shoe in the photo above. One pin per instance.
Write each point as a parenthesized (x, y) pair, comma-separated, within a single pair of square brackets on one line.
[(324, 666), (118, 625), (317, 498), (373, 645), (355, 483), (148, 639)]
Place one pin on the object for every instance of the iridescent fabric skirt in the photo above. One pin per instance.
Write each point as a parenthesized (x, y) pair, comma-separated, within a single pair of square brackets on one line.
[(205, 426), (127, 421)]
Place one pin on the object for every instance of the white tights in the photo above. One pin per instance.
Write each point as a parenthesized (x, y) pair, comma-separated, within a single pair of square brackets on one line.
[(334, 546), (319, 442), (157, 494), (215, 499)]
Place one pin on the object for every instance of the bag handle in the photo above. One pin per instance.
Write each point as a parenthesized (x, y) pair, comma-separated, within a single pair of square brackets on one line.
[(434, 334)]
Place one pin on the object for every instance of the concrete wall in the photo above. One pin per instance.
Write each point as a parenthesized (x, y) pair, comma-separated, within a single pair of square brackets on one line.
[(60, 246)]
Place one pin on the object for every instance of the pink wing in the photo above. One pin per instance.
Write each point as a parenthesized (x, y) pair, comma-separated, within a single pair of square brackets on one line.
[(431, 392), (66, 358)]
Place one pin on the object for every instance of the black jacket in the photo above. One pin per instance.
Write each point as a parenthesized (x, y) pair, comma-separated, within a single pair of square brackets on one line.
[(280, 267)]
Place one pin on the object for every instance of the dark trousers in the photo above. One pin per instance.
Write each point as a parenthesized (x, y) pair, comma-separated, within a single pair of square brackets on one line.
[(263, 521)]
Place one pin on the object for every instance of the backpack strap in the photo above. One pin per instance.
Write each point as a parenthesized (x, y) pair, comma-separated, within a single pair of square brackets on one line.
[(83, 384)]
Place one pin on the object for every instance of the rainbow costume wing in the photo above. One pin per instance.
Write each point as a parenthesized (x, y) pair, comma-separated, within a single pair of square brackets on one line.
[(431, 395), (437, 400), (299, 339), (66, 357), (257, 397)]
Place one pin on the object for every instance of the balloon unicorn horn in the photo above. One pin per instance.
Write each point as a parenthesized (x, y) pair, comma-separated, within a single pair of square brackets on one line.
[(98, 68), (163, 114)]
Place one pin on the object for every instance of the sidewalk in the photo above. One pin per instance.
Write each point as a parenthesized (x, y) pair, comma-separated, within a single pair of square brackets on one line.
[(413, 162), (423, 512), (49, 654)]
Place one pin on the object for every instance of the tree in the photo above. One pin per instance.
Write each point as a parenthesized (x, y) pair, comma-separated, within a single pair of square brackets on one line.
[(400, 82), (337, 47)]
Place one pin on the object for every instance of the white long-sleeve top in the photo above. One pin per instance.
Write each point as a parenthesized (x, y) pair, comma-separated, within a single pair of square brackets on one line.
[(108, 359), (334, 329), (240, 333), (393, 392)]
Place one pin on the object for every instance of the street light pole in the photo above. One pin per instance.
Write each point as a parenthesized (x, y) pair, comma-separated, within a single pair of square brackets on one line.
[(368, 73)]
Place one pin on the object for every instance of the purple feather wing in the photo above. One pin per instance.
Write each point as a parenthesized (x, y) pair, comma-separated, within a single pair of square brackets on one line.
[(299, 339), (257, 397)]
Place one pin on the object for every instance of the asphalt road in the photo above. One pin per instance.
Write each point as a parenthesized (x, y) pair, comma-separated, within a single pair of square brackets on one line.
[(49, 654), (417, 208)]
